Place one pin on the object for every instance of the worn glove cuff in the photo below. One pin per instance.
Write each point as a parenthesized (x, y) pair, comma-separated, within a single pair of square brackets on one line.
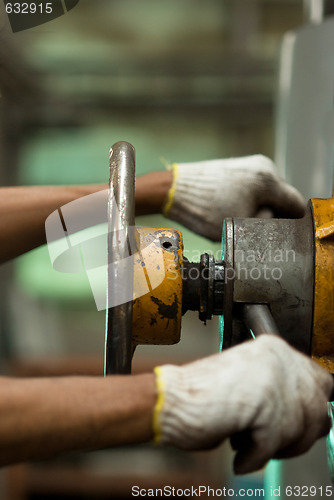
[(160, 390), (171, 418), (174, 168), (167, 396), (193, 187), (183, 405), (192, 195)]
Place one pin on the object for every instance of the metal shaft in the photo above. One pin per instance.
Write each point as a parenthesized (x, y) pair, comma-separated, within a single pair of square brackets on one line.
[(258, 319)]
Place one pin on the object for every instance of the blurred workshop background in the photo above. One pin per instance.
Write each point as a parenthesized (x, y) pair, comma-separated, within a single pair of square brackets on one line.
[(181, 81)]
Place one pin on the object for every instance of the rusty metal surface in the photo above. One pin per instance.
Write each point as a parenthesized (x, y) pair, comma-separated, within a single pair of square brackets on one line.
[(323, 336), (157, 306), (273, 263), (121, 221)]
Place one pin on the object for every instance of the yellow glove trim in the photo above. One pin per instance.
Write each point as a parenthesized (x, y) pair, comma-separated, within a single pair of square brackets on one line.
[(157, 431), (170, 197)]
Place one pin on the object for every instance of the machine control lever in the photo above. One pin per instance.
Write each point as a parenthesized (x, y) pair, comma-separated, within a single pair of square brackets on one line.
[(259, 320)]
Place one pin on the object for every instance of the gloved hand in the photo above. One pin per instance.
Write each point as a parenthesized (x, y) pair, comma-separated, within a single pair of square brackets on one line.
[(204, 193), (270, 398)]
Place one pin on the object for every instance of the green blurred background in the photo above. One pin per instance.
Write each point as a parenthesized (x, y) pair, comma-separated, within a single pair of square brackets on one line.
[(182, 81)]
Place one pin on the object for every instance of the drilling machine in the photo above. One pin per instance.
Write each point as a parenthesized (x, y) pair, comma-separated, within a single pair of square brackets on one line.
[(274, 276)]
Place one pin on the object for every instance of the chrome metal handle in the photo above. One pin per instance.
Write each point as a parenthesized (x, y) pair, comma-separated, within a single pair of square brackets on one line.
[(121, 243)]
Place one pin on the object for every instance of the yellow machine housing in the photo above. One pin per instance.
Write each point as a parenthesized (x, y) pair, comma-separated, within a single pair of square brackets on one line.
[(156, 315), (323, 319)]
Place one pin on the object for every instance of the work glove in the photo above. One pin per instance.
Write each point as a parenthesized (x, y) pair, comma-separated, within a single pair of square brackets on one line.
[(270, 399), (204, 193)]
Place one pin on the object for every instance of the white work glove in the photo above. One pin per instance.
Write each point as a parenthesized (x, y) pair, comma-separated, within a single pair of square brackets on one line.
[(268, 397), (204, 193)]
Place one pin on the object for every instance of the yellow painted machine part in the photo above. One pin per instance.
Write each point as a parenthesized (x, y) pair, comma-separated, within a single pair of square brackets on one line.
[(157, 305), (323, 321)]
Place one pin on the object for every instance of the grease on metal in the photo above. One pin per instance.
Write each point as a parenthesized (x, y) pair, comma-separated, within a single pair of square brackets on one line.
[(167, 310)]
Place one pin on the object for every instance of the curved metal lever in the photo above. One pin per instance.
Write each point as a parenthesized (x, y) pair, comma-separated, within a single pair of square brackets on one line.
[(121, 244)]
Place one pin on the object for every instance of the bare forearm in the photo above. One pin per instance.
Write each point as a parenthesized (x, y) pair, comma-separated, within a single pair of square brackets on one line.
[(151, 192), (23, 210), (43, 417)]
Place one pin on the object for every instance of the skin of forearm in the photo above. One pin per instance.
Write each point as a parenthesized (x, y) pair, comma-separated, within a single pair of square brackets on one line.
[(43, 417), (25, 209), (152, 191)]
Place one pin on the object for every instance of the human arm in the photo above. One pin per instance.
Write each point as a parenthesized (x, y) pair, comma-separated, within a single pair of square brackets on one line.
[(43, 417), (24, 209), (267, 396), (198, 195)]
